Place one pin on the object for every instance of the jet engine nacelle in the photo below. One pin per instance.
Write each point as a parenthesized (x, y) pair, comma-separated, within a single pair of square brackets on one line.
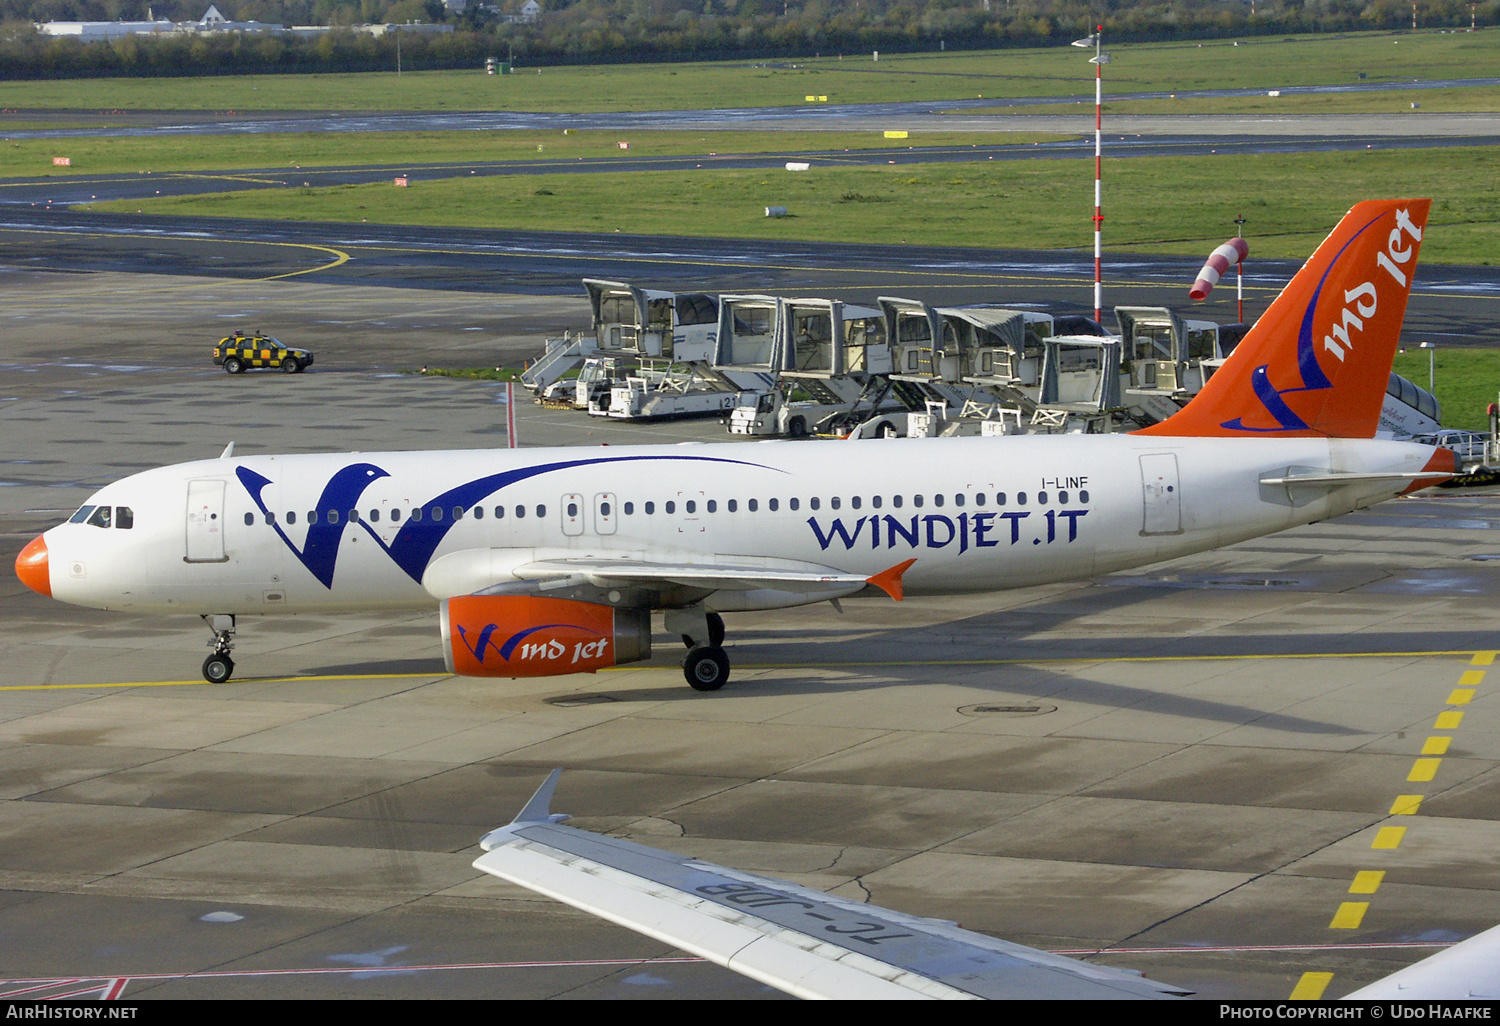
[(534, 636)]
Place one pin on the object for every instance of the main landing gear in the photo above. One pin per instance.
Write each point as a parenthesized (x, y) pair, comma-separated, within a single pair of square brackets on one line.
[(706, 667), (218, 667)]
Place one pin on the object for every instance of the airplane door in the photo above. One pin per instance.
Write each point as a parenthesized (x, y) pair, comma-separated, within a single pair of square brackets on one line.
[(604, 513), (1163, 494), (572, 515), (205, 522)]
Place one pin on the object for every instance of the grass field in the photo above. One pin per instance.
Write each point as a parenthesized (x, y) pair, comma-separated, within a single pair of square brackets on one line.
[(1255, 62), (32, 158), (1467, 381), (1156, 205)]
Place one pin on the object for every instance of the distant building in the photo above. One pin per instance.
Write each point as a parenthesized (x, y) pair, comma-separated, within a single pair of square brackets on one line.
[(529, 12), (212, 21)]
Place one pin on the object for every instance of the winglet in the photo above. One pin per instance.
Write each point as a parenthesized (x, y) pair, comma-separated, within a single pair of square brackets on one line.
[(537, 810), (889, 581)]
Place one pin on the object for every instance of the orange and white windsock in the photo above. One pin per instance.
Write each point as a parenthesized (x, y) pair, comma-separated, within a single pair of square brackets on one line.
[(1232, 252)]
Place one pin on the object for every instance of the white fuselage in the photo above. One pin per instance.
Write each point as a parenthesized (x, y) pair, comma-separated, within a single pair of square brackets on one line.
[(286, 534)]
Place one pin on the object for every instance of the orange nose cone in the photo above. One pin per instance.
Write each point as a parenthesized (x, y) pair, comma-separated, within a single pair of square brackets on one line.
[(31, 567)]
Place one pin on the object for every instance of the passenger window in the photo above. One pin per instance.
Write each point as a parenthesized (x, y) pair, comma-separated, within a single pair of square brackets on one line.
[(896, 501), (958, 500), (979, 499), (937, 500), (604, 509), (713, 505), (478, 512), (999, 498), (773, 504), (1083, 496), (520, 512), (458, 512), (541, 511), (291, 517), (374, 516), (671, 507), (813, 502), (1020, 498), (793, 503), (692, 507), (1041, 498), (499, 512), (854, 501), (437, 514), (630, 509), (249, 520), (354, 516), (333, 516), (416, 514), (1062, 496), (312, 516), (270, 517), (876, 500), (650, 508), (916, 500)]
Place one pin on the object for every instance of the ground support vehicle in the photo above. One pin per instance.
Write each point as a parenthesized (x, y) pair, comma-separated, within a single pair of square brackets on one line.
[(239, 353)]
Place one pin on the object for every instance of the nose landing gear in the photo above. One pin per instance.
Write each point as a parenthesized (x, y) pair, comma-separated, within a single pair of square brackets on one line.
[(218, 667)]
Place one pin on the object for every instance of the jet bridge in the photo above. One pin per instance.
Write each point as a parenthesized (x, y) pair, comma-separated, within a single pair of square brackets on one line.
[(737, 351), (651, 323), (628, 324)]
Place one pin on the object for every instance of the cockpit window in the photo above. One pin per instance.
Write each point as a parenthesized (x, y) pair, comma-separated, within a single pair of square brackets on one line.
[(81, 515), (100, 517), (124, 518)]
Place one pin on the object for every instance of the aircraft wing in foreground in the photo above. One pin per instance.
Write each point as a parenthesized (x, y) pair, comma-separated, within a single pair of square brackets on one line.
[(801, 941), (1469, 970)]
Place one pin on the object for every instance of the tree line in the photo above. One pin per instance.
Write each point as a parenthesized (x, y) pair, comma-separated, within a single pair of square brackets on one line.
[(572, 31)]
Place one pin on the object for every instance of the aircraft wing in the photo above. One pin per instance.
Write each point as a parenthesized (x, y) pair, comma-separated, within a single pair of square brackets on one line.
[(801, 941), (472, 572), (1466, 971), (781, 575)]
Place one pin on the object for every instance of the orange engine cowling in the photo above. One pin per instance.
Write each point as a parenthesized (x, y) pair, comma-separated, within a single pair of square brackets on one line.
[(533, 636)]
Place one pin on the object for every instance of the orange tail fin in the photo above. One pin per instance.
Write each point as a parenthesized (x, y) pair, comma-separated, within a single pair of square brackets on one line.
[(1318, 361)]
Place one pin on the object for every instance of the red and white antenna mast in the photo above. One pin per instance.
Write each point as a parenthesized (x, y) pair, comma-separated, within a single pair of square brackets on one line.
[(1099, 59)]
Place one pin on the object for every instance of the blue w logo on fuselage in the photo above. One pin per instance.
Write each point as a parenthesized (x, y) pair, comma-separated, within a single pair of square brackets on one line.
[(416, 540)]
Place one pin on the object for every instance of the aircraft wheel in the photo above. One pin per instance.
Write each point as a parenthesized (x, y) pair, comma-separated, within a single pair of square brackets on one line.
[(217, 669), (715, 630), (233, 365), (706, 668)]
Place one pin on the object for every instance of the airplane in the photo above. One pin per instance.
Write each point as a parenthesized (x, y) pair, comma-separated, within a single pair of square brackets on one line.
[(815, 945), (543, 562)]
